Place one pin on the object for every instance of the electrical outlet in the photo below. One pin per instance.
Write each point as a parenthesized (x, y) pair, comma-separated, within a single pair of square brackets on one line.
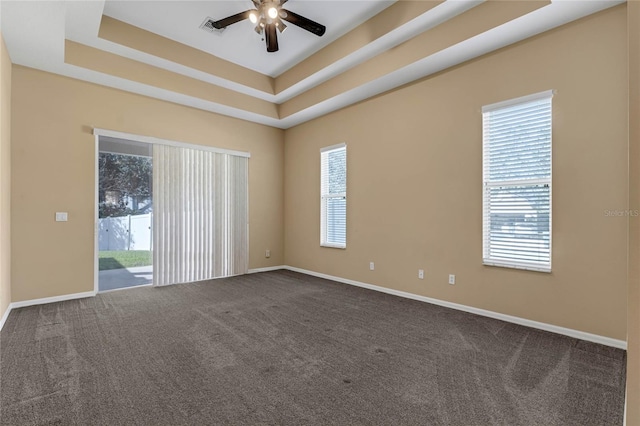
[(421, 274), (372, 266), (267, 253), (61, 216), (452, 279)]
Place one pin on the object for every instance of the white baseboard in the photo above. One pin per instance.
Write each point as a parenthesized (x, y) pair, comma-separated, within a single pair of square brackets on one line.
[(5, 316), (266, 269), (607, 341), (62, 298), (53, 299), (33, 302), (624, 417)]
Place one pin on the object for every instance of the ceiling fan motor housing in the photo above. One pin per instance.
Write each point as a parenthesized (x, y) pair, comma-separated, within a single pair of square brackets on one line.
[(268, 17)]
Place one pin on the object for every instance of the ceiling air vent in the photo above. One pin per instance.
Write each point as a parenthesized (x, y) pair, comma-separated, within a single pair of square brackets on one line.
[(207, 25)]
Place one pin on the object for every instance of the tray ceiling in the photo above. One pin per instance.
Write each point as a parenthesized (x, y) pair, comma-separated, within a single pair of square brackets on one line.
[(157, 48)]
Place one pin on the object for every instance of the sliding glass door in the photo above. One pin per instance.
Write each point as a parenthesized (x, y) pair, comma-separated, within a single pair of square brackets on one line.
[(169, 212), (125, 214)]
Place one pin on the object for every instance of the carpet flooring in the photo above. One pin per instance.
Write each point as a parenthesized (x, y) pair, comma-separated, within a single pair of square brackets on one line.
[(286, 348)]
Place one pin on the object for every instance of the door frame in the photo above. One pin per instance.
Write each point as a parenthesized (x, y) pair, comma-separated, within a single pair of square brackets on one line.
[(96, 222)]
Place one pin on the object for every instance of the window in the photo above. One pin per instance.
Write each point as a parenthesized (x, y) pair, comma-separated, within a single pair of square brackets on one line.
[(517, 183), (333, 193)]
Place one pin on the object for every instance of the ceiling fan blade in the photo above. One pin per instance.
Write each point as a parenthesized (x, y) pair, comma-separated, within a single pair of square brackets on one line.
[(271, 37), (304, 23), (230, 20)]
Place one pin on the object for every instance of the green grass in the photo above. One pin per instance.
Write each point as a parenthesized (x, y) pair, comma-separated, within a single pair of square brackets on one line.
[(123, 259)]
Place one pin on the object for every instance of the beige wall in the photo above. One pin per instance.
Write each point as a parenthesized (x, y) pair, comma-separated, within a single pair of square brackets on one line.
[(53, 170), (415, 182), (5, 178), (633, 299)]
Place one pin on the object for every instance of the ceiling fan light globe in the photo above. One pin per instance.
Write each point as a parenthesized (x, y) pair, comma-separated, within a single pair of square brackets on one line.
[(253, 17), (272, 12)]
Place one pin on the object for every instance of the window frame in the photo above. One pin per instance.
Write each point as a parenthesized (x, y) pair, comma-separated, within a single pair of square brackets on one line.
[(324, 197), (487, 185)]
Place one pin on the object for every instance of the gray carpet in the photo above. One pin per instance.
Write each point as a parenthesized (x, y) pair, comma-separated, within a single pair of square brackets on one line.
[(286, 348)]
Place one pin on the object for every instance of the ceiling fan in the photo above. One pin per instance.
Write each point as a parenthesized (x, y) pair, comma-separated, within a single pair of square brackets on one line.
[(268, 16)]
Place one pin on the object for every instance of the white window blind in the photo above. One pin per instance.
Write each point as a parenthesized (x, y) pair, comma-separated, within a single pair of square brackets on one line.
[(517, 183), (200, 215), (333, 191)]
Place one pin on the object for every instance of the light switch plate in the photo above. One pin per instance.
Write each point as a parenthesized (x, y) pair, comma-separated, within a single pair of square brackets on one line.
[(61, 216)]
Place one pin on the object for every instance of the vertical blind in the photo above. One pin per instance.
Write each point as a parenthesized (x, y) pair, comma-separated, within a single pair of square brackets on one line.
[(200, 215), (333, 191), (517, 183)]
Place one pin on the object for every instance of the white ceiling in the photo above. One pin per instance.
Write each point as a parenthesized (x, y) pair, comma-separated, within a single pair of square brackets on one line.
[(35, 33), (239, 43)]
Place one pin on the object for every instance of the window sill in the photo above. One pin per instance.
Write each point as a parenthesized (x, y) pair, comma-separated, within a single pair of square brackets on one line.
[(522, 266), (336, 246)]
